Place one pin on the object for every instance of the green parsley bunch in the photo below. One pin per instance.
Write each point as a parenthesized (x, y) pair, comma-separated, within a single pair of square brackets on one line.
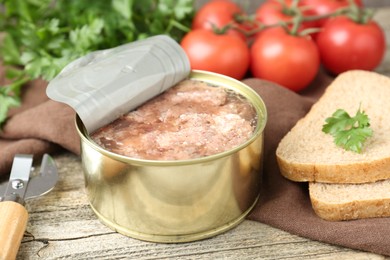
[(39, 37)]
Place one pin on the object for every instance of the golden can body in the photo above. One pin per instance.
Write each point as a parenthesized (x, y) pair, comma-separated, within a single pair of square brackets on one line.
[(176, 201)]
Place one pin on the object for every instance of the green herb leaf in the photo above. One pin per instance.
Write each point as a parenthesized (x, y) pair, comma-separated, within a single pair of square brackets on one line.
[(7, 102), (348, 132), (10, 52), (9, 94)]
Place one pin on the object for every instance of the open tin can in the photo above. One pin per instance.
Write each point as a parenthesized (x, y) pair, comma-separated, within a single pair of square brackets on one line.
[(177, 201)]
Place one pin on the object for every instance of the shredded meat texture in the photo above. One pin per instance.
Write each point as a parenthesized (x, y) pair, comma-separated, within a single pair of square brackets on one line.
[(190, 120)]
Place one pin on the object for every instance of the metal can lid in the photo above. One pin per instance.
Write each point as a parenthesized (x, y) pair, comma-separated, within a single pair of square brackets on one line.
[(108, 83)]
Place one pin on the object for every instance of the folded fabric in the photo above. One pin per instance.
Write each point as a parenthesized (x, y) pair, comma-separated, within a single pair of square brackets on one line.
[(38, 126), (42, 125)]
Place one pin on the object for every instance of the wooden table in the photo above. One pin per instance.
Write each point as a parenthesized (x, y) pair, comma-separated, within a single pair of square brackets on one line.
[(63, 226)]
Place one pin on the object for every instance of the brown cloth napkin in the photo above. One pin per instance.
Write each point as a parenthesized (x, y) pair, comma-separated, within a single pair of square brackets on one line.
[(38, 126), (42, 125)]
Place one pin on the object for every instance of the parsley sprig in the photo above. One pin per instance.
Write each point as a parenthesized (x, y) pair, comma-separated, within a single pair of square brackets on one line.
[(39, 38), (348, 132)]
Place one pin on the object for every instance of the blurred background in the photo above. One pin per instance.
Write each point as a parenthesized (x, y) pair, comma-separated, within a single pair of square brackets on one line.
[(251, 5)]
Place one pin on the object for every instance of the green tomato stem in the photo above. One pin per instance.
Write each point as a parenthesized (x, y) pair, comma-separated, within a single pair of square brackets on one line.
[(178, 25)]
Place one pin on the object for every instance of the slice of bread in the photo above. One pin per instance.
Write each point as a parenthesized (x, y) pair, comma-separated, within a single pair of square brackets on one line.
[(308, 154), (337, 202)]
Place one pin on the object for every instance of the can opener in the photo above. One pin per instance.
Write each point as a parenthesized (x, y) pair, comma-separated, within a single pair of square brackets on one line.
[(20, 187)]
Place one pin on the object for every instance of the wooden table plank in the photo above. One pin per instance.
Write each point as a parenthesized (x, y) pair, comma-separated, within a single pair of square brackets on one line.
[(63, 226)]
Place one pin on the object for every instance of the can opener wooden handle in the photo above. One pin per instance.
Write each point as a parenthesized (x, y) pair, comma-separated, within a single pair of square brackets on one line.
[(20, 187)]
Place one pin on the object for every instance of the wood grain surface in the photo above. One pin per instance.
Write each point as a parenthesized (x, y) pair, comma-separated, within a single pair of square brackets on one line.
[(62, 225)]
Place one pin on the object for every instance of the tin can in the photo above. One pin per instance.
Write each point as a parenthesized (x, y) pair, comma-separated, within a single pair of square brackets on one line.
[(177, 201)]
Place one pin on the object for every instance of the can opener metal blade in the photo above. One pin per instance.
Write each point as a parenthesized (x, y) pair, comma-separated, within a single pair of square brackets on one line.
[(20, 187)]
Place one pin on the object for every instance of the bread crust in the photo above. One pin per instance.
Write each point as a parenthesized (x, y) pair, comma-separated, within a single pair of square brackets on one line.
[(346, 173), (351, 210)]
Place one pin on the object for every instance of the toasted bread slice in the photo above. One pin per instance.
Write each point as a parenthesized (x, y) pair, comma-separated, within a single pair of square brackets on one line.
[(308, 154), (337, 202)]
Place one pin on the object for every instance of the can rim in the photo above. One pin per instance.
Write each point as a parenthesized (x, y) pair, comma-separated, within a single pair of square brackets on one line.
[(210, 77)]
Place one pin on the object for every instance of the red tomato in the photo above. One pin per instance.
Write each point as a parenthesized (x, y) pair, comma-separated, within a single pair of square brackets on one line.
[(273, 11), (347, 45), (221, 53), (323, 7), (291, 61), (217, 13)]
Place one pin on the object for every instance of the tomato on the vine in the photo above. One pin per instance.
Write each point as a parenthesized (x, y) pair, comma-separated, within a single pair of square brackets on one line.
[(292, 61), (324, 7), (218, 14), (345, 45), (221, 53), (273, 11)]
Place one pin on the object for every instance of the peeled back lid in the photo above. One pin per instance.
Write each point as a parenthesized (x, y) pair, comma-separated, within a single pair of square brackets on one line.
[(105, 84)]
